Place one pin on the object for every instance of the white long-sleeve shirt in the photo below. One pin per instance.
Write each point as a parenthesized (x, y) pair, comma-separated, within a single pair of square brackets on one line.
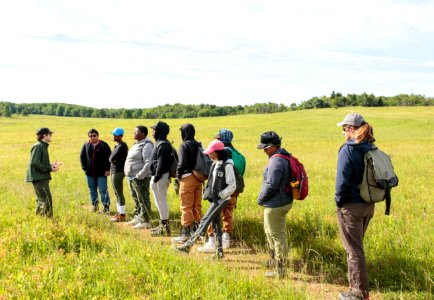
[(229, 178)]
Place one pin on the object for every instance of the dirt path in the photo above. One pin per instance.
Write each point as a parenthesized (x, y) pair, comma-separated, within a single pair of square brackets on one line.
[(250, 262)]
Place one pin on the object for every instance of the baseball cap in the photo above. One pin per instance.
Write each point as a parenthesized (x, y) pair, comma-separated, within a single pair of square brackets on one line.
[(118, 131), (225, 135), (43, 130), (269, 138), (215, 145), (353, 119)]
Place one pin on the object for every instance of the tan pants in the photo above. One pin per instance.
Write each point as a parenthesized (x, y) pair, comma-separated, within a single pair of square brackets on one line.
[(190, 193), (227, 217)]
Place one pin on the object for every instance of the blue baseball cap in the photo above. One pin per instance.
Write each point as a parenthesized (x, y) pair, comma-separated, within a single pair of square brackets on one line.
[(225, 135), (118, 131)]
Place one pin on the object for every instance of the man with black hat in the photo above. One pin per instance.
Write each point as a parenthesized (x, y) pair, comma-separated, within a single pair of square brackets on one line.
[(39, 170), (276, 201)]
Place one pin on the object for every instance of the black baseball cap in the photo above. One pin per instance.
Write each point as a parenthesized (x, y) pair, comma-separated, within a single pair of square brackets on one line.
[(269, 138), (44, 130)]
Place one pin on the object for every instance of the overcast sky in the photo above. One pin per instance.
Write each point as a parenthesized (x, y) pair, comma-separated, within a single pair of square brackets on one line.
[(145, 53)]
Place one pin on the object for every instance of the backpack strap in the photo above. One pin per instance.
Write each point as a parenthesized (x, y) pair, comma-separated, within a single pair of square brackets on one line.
[(388, 201)]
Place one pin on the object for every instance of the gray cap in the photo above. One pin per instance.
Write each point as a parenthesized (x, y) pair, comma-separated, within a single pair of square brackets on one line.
[(353, 119)]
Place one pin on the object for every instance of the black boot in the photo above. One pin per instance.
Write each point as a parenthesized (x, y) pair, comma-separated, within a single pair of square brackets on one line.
[(281, 269), (184, 236), (184, 248), (162, 229)]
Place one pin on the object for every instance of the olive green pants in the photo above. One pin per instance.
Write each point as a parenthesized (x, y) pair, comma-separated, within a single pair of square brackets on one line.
[(275, 230), (118, 187), (44, 201)]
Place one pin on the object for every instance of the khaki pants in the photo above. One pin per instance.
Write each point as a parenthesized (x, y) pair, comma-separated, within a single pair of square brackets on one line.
[(353, 219), (275, 230), (44, 201), (227, 217), (190, 193)]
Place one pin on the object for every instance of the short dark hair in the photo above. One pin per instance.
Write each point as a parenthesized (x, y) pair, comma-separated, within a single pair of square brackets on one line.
[(40, 137), (93, 130), (143, 129)]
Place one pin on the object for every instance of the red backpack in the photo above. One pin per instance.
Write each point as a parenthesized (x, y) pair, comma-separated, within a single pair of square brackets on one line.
[(298, 184)]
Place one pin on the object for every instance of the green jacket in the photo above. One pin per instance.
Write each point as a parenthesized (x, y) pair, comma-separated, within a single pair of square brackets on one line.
[(39, 164)]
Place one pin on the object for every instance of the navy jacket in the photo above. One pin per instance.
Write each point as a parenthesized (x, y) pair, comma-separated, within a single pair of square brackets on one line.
[(276, 178), (349, 173)]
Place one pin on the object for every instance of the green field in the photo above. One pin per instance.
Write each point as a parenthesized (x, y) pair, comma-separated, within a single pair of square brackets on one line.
[(80, 254)]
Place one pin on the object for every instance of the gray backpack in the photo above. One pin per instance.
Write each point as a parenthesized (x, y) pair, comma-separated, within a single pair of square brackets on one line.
[(378, 178), (202, 166)]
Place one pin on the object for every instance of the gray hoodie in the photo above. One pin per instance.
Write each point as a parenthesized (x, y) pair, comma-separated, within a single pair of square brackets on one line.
[(138, 160)]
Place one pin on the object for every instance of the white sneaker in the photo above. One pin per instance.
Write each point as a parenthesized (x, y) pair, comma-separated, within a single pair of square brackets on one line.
[(144, 225), (133, 222), (208, 247), (226, 240)]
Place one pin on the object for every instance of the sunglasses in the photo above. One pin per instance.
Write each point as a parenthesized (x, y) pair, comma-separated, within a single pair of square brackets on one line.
[(92, 135)]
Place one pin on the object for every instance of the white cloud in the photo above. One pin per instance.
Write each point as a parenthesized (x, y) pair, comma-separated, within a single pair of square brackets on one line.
[(143, 53)]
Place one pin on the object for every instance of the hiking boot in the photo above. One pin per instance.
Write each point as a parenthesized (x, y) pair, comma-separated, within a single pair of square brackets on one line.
[(183, 237), (133, 222), (142, 225), (349, 296), (162, 229), (106, 210), (271, 262), (226, 240), (118, 218), (184, 248), (280, 272), (217, 255), (208, 247)]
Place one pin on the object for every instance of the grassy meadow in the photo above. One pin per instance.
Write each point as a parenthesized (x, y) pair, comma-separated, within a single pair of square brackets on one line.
[(79, 254)]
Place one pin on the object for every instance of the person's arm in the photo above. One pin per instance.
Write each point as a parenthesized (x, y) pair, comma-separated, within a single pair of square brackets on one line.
[(115, 153), (36, 160), (182, 160), (344, 172), (163, 156), (230, 181), (271, 184), (83, 158), (146, 156)]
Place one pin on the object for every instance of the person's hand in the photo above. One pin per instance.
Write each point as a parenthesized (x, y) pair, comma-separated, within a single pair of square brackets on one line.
[(107, 173), (56, 166)]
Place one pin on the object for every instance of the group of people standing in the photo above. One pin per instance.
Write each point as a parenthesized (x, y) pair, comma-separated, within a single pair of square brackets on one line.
[(149, 165)]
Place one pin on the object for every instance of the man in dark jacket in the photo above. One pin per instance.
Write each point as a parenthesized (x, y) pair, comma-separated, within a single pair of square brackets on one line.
[(275, 200), (39, 170), (190, 188), (94, 158), (161, 161)]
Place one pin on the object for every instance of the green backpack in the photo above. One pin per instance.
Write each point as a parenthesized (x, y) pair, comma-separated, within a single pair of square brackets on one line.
[(378, 178)]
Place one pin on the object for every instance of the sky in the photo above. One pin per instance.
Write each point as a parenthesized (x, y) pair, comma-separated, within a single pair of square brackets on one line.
[(137, 54)]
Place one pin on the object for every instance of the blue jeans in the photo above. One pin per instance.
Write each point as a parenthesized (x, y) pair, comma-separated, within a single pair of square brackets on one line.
[(100, 183)]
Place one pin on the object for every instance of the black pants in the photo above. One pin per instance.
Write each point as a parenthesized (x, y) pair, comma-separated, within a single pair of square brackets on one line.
[(212, 215), (44, 201)]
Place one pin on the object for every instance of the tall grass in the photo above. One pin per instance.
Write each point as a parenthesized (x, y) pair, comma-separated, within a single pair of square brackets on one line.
[(81, 255)]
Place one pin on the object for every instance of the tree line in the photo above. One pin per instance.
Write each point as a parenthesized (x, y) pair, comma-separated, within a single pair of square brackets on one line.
[(178, 110)]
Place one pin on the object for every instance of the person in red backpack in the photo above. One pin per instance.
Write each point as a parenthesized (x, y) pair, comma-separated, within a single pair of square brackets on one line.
[(276, 201)]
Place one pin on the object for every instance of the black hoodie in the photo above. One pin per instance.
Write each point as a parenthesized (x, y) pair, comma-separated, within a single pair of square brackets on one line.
[(187, 151), (161, 158)]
